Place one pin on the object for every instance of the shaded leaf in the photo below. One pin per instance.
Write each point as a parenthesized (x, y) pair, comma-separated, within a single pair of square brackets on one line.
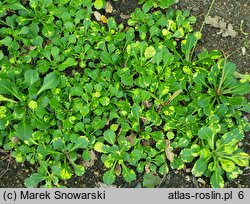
[(33, 180), (150, 180), (24, 130)]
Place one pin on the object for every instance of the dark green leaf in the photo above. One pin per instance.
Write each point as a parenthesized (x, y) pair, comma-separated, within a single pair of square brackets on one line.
[(23, 129), (33, 180), (150, 180)]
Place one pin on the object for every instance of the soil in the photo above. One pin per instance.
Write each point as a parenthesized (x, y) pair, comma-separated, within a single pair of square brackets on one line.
[(232, 12)]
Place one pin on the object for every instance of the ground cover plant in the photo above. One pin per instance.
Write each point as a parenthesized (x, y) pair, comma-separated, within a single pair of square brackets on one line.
[(139, 94)]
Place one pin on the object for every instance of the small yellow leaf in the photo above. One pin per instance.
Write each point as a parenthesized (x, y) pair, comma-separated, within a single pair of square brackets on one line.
[(104, 19)]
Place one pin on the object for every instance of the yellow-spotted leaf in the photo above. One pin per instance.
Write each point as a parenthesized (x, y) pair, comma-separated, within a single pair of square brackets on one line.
[(200, 166), (149, 52), (241, 159), (227, 165), (66, 173), (234, 174), (128, 174), (216, 180)]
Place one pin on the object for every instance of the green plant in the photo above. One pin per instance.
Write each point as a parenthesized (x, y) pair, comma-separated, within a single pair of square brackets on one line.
[(136, 95), (218, 154)]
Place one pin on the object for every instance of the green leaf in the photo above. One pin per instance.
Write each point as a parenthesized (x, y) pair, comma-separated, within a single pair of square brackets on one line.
[(229, 69), (109, 176), (2, 98), (166, 3), (79, 170), (69, 62), (106, 58), (188, 44), (241, 159), (205, 133), (240, 89), (6, 87), (227, 164), (177, 163), (216, 180), (14, 6), (109, 136), (98, 4), (81, 142), (200, 166), (24, 130), (150, 180), (66, 172), (136, 112), (186, 155), (33, 180), (31, 76), (99, 147), (128, 174), (1, 55), (51, 81), (149, 52)]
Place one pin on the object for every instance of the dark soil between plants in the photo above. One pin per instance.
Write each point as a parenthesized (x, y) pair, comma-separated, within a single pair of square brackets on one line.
[(12, 174)]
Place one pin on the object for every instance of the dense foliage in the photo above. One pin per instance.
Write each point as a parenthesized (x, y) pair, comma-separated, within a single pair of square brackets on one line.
[(71, 86)]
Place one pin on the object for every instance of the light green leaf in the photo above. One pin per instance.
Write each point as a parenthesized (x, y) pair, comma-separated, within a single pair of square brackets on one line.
[(241, 159), (99, 147), (69, 62), (227, 164), (6, 87), (2, 98), (66, 172), (98, 4), (51, 81), (149, 52)]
